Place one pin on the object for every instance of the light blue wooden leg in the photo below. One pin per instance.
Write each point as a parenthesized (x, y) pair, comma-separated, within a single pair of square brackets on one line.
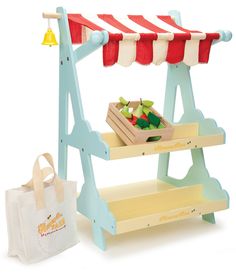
[(210, 217), (91, 205), (198, 158), (62, 160), (169, 109), (99, 237), (163, 165), (63, 127), (177, 75), (199, 161)]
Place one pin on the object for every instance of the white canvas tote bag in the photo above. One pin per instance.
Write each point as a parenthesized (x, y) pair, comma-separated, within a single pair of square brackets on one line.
[(41, 215)]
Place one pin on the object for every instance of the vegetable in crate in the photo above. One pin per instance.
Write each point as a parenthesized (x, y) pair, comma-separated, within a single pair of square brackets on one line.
[(144, 117), (133, 120), (141, 117), (153, 119), (125, 110), (147, 103), (151, 127), (142, 123), (139, 110)]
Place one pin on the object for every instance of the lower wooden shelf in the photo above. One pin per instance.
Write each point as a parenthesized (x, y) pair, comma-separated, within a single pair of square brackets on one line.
[(144, 204), (185, 136)]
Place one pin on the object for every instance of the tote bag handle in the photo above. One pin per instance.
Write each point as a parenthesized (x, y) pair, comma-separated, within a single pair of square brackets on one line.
[(45, 173), (37, 182)]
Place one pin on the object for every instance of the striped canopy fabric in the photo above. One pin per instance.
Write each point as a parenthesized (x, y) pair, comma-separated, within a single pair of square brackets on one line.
[(151, 39)]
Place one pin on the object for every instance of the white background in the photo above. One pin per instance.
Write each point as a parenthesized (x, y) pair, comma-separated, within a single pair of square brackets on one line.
[(29, 126)]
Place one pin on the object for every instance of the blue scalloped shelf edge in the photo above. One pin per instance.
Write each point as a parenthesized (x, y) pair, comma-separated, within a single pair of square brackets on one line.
[(88, 141), (207, 126)]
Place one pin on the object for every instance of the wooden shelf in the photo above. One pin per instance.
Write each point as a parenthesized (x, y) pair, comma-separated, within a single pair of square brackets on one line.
[(144, 204), (185, 136)]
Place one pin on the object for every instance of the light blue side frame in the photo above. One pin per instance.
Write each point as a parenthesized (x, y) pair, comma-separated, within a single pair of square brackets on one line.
[(82, 137), (179, 75)]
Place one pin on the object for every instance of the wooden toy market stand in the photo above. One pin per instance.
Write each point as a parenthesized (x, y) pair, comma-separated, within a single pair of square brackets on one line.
[(140, 205)]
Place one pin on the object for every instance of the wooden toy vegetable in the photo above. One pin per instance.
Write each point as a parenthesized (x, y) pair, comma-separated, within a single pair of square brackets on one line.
[(142, 115), (139, 110), (134, 120), (123, 101), (142, 123), (155, 120), (125, 110), (147, 103)]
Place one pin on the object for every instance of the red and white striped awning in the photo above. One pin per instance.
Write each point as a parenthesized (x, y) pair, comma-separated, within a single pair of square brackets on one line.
[(144, 39)]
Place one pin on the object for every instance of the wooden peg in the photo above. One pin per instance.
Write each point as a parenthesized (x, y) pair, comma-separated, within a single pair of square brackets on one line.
[(51, 15)]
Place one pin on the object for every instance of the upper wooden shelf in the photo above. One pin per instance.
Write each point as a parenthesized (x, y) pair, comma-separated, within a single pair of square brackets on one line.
[(185, 137)]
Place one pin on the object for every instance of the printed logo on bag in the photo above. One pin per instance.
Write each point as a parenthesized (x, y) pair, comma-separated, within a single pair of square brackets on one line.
[(51, 225)]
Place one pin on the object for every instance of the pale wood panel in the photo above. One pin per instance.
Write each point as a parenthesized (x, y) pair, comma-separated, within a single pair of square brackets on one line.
[(185, 130), (131, 190), (195, 209), (164, 146), (156, 202), (180, 131)]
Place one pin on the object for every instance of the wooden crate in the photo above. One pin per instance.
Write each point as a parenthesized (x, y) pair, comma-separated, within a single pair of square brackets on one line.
[(130, 134)]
